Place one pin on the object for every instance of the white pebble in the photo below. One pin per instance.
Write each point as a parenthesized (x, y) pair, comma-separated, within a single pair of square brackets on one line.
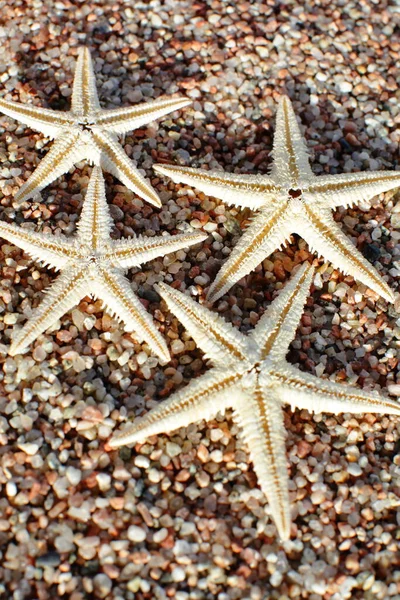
[(104, 481), (178, 574), (173, 449), (28, 448), (102, 585), (11, 489), (142, 462), (155, 476), (354, 469), (73, 475), (136, 534), (160, 535)]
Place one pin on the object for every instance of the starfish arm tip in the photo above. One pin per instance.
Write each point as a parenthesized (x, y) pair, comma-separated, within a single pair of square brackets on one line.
[(212, 296), (162, 169), (164, 356), (197, 237), (121, 438), (15, 349), (154, 200), (163, 289)]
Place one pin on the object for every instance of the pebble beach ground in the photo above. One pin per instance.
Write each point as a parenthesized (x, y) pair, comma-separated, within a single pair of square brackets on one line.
[(181, 516)]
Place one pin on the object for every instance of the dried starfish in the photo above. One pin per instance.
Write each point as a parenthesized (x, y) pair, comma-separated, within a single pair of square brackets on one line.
[(92, 264), (88, 132), (291, 200), (252, 377)]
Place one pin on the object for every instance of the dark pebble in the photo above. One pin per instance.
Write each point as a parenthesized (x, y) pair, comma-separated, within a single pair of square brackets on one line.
[(51, 559), (150, 295), (371, 252)]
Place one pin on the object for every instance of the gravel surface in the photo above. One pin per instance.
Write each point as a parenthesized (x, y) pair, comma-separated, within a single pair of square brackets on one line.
[(181, 516)]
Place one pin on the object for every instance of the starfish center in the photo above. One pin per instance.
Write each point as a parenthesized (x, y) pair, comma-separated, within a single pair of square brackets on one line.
[(93, 261), (86, 123), (295, 193)]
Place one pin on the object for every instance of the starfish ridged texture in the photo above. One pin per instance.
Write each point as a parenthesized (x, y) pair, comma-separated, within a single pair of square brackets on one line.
[(290, 200), (88, 132), (251, 376), (93, 264)]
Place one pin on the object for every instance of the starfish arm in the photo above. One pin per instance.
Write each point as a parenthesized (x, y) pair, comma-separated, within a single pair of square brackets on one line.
[(277, 327), (54, 251), (246, 191), (324, 236), (261, 423), (348, 189), (120, 301), (133, 252), (291, 163), (95, 223), (60, 158), (49, 122), (219, 340), (267, 232), (203, 398), (122, 120), (66, 291), (302, 390), (114, 160), (85, 100)]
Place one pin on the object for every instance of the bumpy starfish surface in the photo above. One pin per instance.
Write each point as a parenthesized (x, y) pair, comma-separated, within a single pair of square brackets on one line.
[(291, 200), (92, 264), (88, 132), (251, 376)]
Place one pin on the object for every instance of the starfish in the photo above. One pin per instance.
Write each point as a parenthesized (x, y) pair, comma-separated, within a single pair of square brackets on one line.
[(92, 264), (291, 200), (88, 132), (251, 376)]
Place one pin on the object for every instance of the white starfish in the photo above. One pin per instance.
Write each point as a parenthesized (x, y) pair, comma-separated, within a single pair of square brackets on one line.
[(88, 132), (291, 200), (92, 264), (251, 376)]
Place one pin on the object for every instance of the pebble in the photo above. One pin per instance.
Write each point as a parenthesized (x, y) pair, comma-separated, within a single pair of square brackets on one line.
[(160, 535), (29, 448), (136, 534), (102, 585), (178, 574), (173, 449), (354, 469), (11, 489), (73, 475)]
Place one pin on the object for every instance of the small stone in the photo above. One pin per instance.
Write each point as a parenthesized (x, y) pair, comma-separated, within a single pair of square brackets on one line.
[(134, 584), (160, 536), (104, 481), (354, 469), (28, 448), (142, 461), (136, 534), (63, 543), (177, 347), (102, 585), (344, 87), (11, 489), (73, 475), (51, 559), (173, 449), (178, 574), (394, 389), (155, 476)]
